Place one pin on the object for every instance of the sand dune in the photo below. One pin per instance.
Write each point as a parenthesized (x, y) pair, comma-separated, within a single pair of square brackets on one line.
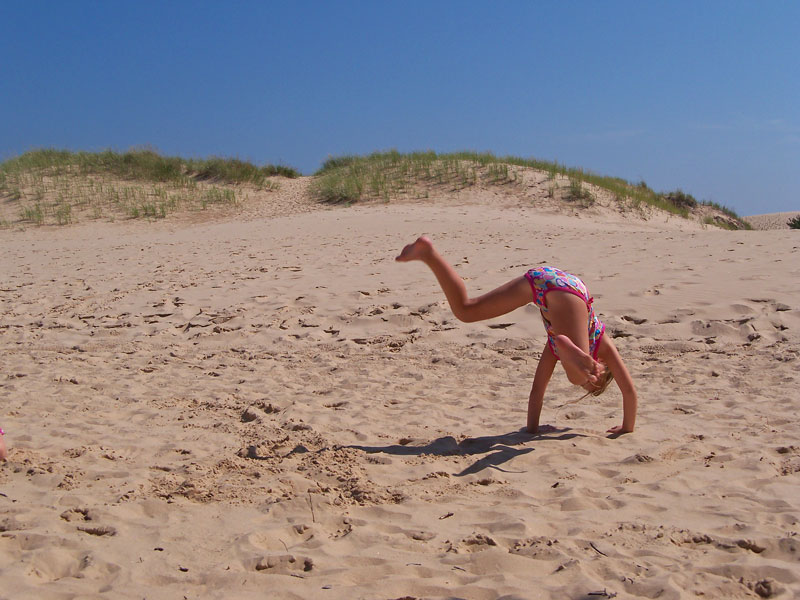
[(269, 406), (771, 220)]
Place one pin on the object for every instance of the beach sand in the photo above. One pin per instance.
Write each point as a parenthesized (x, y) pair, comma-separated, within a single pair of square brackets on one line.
[(268, 406)]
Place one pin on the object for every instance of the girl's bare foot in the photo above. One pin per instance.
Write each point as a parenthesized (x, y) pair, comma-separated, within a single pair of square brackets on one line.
[(419, 250), (581, 368)]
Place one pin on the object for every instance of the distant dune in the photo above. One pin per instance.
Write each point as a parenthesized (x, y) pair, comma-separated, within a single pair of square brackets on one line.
[(59, 187), (771, 220)]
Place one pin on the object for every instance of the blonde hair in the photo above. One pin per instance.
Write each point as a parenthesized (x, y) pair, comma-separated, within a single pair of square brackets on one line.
[(606, 378)]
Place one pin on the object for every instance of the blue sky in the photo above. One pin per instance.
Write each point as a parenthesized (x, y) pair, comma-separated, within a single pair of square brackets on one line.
[(703, 96)]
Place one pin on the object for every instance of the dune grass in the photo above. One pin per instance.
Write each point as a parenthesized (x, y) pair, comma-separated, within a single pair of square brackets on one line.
[(350, 178), (54, 186), (142, 165), (385, 175)]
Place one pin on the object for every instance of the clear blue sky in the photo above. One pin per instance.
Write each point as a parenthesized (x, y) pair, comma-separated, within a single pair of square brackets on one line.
[(703, 96)]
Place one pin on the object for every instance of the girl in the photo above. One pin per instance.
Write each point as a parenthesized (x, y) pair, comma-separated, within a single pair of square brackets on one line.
[(590, 358)]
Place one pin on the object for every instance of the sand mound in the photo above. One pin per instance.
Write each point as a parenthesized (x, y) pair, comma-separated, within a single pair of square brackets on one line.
[(772, 220)]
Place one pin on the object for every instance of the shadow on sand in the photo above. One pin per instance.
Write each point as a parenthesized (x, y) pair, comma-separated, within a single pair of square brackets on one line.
[(498, 448)]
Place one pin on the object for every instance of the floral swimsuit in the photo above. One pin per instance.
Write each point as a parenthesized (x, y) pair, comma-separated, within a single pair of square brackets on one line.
[(547, 279)]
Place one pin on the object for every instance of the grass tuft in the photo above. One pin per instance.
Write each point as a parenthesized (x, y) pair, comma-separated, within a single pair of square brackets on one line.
[(578, 193), (34, 214), (232, 170)]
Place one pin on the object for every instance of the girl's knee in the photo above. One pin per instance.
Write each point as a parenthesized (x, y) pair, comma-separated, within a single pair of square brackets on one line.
[(466, 313), (466, 317)]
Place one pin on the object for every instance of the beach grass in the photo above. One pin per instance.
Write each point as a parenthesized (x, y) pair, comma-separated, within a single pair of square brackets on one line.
[(56, 186), (578, 193), (142, 165), (384, 175)]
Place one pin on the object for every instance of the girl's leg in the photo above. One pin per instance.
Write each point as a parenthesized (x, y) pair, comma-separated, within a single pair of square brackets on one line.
[(569, 319), (500, 301), (566, 312)]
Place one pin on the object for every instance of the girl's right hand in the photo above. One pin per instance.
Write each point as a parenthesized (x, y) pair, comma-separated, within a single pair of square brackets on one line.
[(619, 430)]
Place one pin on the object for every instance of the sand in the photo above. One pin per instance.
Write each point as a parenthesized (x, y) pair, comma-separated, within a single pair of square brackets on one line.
[(268, 406), (769, 221)]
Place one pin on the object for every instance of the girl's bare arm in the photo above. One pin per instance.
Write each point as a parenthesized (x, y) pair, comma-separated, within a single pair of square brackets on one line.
[(544, 371), (609, 355)]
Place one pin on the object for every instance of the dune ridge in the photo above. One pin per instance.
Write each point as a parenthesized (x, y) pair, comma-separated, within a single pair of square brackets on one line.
[(50, 186), (769, 221)]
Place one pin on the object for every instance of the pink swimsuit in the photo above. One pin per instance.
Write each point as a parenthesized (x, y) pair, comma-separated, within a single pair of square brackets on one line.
[(547, 279)]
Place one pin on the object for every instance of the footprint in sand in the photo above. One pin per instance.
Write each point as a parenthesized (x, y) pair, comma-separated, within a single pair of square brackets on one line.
[(714, 329), (638, 458), (11, 524), (56, 562), (76, 514), (98, 530), (772, 304), (477, 542), (634, 320), (538, 548), (282, 564), (653, 291)]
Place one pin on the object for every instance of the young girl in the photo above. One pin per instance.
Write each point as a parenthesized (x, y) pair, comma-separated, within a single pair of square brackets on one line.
[(574, 333)]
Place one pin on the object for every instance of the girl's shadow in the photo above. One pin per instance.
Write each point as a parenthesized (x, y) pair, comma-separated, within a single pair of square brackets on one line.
[(502, 448)]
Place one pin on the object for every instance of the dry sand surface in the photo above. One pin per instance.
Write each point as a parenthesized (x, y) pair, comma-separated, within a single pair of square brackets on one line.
[(771, 220), (270, 407)]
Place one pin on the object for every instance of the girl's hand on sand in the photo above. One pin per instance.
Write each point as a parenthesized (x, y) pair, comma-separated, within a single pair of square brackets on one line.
[(619, 429)]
